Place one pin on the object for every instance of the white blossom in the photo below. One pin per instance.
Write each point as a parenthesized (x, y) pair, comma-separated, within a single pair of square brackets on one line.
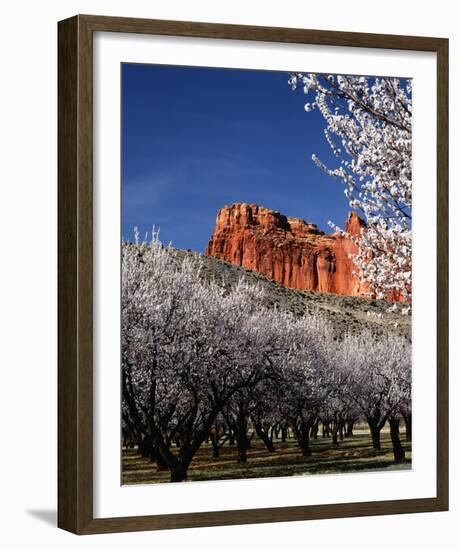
[(372, 120)]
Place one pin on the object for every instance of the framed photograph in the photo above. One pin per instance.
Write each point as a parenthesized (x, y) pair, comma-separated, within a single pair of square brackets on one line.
[(253, 274)]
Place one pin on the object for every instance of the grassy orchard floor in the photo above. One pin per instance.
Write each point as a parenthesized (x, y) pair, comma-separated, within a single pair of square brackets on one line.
[(353, 454)]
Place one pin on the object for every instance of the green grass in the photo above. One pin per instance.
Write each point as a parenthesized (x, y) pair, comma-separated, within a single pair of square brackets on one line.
[(353, 454)]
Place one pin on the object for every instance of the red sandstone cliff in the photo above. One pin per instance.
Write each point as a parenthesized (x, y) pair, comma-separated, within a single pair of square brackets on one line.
[(288, 250)]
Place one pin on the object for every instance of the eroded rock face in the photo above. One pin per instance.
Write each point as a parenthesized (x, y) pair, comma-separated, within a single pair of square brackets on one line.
[(288, 250)]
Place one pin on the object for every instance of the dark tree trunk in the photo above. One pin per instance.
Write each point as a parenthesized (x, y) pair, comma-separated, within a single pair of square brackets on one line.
[(242, 456), (161, 463), (267, 442), (408, 424), (315, 429), (304, 444), (263, 434), (341, 431), (178, 472), (335, 440), (335, 431), (303, 438), (129, 440), (349, 430), (144, 447), (178, 465), (398, 451), (284, 434), (217, 438), (148, 450), (375, 433), (243, 444)]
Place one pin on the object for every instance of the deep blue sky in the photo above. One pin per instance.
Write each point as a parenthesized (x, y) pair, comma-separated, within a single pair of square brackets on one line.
[(195, 139)]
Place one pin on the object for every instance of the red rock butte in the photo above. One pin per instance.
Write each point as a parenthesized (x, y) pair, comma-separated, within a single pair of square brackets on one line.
[(289, 250)]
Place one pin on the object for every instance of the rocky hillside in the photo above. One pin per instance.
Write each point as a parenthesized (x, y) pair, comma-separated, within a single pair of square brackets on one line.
[(347, 313)]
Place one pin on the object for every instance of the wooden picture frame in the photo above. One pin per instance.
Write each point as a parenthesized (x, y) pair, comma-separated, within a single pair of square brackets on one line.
[(75, 175)]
